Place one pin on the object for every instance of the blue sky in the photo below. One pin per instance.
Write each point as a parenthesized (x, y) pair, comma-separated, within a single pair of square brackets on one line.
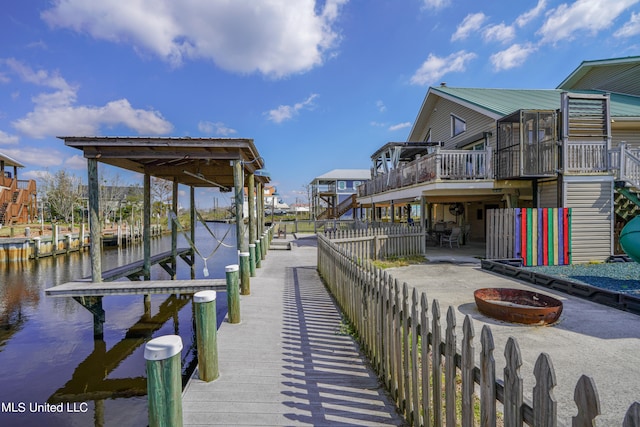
[(318, 85)]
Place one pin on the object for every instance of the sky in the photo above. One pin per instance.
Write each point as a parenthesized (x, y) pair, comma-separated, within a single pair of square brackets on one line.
[(318, 85)]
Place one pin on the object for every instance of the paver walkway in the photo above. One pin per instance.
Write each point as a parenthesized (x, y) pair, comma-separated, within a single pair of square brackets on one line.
[(289, 362)]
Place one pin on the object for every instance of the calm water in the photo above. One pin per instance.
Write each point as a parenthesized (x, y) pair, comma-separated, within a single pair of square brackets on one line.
[(48, 353)]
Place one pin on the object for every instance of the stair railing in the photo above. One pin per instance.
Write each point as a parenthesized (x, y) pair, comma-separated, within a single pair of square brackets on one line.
[(625, 162)]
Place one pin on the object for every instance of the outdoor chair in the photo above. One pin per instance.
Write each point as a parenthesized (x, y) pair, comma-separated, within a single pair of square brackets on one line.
[(452, 238)]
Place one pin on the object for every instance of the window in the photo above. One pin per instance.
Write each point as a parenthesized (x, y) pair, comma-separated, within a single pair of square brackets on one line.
[(355, 184), (457, 125), (342, 185)]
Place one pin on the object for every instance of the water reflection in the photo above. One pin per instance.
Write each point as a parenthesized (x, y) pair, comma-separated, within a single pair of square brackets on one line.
[(48, 353)]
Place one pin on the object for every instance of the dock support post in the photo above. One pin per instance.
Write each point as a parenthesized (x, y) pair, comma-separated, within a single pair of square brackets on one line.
[(233, 293), (263, 247), (95, 227), (164, 381), (146, 227), (36, 247), (252, 259), (245, 284), (174, 227), (252, 207), (258, 254), (206, 335), (239, 198)]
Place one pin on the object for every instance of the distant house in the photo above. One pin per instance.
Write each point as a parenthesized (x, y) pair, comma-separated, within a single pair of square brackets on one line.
[(18, 198), (475, 149), (333, 193)]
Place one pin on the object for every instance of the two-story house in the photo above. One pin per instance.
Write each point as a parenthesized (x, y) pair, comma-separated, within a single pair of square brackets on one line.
[(333, 193), (576, 146)]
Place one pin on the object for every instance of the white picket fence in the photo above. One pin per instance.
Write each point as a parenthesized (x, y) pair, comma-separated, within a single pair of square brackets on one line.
[(403, 339)]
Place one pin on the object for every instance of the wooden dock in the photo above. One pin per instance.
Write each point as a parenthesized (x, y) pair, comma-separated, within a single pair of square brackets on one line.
[(290, 360), (140, 287)]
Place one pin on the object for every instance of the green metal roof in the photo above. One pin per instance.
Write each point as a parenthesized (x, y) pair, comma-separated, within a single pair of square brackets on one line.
[(506, 101)]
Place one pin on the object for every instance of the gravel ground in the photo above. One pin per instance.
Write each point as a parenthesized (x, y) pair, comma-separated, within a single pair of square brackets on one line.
[(622, 277)]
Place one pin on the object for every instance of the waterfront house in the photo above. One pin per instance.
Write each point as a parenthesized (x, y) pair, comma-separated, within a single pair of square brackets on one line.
[(333, 193), (472, 150)]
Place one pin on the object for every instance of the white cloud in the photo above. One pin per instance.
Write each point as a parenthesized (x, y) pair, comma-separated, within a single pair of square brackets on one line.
[(400, 126), (287, 112), (435, 67), (567, 22), (531, 14), (55, 113), (76, 162), (217, 128), (631, 28), (381, 107), (472, 22), (436, 4), (377, 124), (501, 33), (512, 57), (43, 157), (276, 38), (5, 138)]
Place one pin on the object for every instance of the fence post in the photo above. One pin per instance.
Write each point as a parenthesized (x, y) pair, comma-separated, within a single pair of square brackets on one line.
[(252, 259), (206, 334), (233, 294), (245, 285), (164, 381)]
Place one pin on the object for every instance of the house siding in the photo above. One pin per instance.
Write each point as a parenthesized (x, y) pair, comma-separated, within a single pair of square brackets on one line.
[(591, 201), (548, 194), (629, 136), (440, 124)]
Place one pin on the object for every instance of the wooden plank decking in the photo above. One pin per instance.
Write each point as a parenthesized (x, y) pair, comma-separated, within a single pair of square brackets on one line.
[(289, 361), (86, 288)]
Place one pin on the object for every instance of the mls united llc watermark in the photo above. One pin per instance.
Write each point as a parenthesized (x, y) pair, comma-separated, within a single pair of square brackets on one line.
[(34, 407)]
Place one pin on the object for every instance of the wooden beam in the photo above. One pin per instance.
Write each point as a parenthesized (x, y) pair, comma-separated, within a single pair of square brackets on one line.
[(239, 199), (146, 229)]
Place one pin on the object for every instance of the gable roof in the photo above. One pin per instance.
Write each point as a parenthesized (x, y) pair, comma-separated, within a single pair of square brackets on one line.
[(346, 174), (503, 101), (618, 75)]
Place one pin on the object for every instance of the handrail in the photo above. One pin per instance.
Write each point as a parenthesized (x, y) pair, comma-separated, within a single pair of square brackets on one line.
[(439, 165)]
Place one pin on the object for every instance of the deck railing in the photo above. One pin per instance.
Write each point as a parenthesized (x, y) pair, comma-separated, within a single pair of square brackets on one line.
[(401, 334), (440, 165), (625, 163), (585, 157)]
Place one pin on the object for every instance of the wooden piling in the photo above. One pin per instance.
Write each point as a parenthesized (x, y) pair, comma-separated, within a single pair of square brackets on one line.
[(258, 254), (233, 294), (245, 285), (206, 335), (164, 381), (252, 259)]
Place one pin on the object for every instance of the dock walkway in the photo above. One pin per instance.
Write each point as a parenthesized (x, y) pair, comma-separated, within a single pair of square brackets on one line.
[(289, 361)]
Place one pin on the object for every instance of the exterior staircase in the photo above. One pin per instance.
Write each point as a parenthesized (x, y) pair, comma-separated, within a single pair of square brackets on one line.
[(341, 209)]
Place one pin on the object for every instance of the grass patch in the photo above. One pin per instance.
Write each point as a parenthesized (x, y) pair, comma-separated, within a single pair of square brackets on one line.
[(399, 261)]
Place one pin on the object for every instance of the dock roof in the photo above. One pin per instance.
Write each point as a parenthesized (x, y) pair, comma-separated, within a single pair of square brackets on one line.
[(197, 162)]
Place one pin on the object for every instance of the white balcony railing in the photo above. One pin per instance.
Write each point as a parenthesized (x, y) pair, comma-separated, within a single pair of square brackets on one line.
[(440, 165)]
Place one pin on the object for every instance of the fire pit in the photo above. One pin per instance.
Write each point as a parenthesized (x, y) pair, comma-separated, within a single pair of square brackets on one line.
[(518, 305)]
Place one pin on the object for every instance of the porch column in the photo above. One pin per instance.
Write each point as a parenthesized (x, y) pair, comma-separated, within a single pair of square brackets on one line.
[(423, 223), (393, 212)]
